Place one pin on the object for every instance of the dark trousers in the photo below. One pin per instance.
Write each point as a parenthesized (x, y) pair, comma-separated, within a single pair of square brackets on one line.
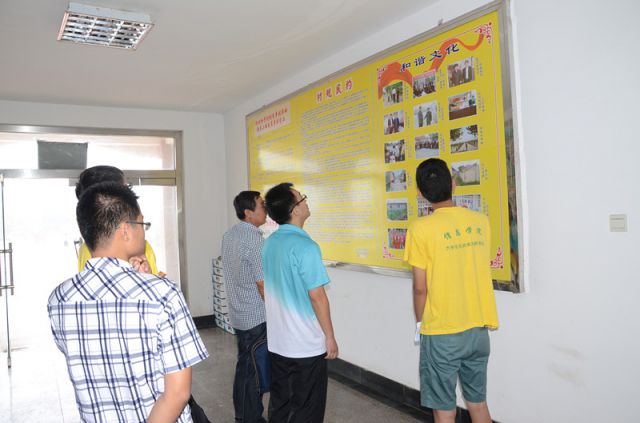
[(298, 389), (247, 399)]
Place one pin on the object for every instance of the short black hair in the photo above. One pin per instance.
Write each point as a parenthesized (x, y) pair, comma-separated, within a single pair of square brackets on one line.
[(96, 174), (279, 202), (434, 180), (102, 208), (246, 200)]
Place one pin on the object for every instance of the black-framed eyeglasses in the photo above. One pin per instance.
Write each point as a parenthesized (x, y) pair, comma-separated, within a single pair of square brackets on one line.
[(304, 197), (146, 225)]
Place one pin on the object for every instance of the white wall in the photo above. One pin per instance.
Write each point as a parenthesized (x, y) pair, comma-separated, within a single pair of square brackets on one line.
[(203, 171), (567, 349)]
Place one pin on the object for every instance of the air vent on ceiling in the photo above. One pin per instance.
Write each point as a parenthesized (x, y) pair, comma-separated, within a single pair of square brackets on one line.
[(104, 27)]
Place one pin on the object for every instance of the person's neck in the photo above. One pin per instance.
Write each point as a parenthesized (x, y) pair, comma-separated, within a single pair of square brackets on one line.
[(297, 222), (110, 253), (441, 204)]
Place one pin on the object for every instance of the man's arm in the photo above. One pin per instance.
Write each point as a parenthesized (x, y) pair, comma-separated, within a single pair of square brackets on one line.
[(177, 390), (320, 304), (419, 291), (260, 285)]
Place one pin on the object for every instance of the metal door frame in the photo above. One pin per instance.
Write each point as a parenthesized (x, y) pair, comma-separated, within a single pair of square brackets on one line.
[(136, 177)]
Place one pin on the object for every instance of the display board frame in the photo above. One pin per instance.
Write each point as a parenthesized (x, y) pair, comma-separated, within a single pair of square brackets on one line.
[(513, 172)]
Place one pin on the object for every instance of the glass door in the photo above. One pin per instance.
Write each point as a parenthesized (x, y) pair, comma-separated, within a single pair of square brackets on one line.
[(39, 223), (158, 206), (40, 167)]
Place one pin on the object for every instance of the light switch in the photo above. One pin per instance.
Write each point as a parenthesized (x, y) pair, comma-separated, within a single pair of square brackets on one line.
[(618, 223)]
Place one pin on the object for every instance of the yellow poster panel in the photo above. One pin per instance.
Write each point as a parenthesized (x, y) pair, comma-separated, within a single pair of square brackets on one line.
[(352, 144)]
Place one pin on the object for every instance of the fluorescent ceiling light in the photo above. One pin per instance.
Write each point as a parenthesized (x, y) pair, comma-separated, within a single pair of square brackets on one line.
[(104, 27)]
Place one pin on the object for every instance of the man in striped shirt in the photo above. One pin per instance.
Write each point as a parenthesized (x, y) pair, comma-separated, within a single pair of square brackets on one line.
[(241, 247), (128, 337)]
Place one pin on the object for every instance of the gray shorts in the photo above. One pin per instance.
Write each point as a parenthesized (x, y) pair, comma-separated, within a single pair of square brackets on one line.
[(444, 358)]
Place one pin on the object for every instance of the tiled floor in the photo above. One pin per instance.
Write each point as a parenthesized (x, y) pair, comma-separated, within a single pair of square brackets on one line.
[(37, 389)]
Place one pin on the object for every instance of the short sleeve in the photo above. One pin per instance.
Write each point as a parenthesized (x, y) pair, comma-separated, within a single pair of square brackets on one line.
[(254, 258), (414, 251), (54, 321), (181, 346), (312, 270)]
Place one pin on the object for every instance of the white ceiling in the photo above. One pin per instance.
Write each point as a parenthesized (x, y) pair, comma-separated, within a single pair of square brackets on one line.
[(202, 55)]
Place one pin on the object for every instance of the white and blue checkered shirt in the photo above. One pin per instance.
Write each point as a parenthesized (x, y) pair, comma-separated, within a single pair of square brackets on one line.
[(242, 268), (121, 331)]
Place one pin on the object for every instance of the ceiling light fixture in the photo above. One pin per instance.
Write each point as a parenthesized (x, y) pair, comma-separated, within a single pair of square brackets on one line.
[(104, 27)]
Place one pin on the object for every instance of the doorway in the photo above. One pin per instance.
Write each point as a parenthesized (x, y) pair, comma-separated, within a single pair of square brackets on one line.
[(39, 214)]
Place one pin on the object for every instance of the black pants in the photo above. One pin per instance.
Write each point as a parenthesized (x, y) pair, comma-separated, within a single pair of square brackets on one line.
[(247, 399), (298, 389)]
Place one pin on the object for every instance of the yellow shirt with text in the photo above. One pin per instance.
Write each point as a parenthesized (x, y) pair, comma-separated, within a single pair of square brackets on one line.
[(84, 255), (453, 246)]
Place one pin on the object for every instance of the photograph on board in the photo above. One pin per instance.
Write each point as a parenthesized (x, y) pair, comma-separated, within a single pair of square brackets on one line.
[(466, 173), (396, 238), (396, 180), (469, 201), (394, 151), (393, 122), (424, 84), (461, 72), (392, 94), (427, 145), (397, 209), (462, 105), (424, 206), (464, 139), (425, 114)]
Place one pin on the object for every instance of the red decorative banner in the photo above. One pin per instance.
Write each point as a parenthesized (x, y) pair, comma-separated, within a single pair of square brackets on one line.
[(445, 47), (392, 73), (395, 72)]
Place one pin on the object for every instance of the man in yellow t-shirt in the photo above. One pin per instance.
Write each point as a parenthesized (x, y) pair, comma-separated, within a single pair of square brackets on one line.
[(453, 299), (104, 173)]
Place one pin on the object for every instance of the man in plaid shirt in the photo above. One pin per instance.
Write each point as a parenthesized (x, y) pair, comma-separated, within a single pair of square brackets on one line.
[(241, 247), (128, 337)]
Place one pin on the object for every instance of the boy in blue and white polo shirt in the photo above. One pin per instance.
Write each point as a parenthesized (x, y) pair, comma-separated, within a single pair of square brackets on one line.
[(300, 335)]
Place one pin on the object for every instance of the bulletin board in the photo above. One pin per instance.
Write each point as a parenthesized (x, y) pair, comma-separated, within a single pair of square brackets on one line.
[(352, 141)]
